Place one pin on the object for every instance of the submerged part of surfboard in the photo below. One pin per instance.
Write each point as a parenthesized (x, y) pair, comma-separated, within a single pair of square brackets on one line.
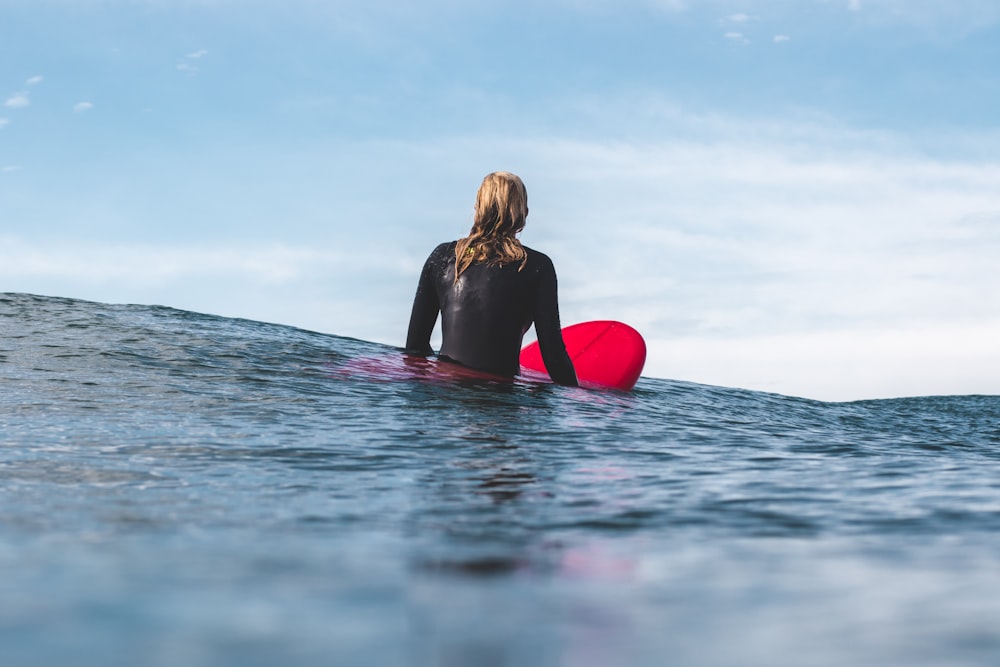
[(605, 354)]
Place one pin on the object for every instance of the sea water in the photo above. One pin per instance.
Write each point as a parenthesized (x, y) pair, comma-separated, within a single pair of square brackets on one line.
[(183, 489)]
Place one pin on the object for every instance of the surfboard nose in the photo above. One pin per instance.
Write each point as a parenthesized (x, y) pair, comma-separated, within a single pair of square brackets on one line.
[(605, 353)]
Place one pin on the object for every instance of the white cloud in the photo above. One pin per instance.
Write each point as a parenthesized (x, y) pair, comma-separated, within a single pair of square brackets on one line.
[(778, 39), (741, 18), (263, 281), (18, 101), (880, 362), (799, 265), (854, 5), (188, 65), (35, 80), (81, 107), (151, 265), (4, 122), (737, 37)]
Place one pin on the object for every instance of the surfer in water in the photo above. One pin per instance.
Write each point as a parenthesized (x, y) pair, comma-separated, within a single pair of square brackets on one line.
[(489, 289)]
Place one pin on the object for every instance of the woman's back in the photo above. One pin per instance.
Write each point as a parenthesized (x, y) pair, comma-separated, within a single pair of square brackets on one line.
[(489, 289), (486, 312)]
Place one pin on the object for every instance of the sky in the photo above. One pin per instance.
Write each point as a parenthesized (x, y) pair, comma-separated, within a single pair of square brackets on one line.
[(795, 196)]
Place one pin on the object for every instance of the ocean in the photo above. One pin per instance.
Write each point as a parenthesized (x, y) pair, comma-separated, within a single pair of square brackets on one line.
[(185, 489)]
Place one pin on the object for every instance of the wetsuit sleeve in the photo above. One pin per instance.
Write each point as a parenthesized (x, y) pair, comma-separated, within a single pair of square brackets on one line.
[(550, 340), (426, 306)]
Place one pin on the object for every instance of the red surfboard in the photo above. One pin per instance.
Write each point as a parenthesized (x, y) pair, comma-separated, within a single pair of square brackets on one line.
[(605, 354)]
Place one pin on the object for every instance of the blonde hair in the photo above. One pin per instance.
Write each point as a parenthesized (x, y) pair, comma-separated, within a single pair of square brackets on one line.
[(501, 210)]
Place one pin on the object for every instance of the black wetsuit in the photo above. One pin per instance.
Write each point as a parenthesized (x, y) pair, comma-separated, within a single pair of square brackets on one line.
[(485, 314)]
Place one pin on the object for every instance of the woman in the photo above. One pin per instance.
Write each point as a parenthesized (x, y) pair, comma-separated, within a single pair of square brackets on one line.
[(489, 289)]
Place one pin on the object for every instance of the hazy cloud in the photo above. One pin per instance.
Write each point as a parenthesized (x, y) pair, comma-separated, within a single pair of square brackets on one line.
[(189, 64), (668, 5), (153, 265), (18, 101), (740, 18), (951, 20), (4, 122), (778, 39), (35, 80), (10, 167), (81, 107), (588, 6)]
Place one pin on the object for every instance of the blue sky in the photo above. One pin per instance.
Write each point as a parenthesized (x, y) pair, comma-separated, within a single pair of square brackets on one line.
[(794, 196)]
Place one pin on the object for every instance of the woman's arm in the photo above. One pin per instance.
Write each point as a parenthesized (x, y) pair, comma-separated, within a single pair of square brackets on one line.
[(550, 340), (424, 314)]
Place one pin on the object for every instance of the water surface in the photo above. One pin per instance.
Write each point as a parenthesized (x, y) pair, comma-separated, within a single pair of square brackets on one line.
[(178, 488)]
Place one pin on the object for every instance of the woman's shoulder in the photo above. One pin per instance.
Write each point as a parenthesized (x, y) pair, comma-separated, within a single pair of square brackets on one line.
[(444, 249), (538, 259)]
